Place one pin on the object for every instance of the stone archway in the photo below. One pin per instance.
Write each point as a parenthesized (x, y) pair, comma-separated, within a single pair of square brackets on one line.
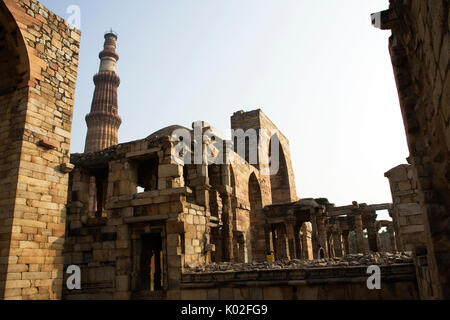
[(14, 61)]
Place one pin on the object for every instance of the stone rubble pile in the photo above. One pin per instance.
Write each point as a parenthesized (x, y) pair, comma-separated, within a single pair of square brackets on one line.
[(384, 258)]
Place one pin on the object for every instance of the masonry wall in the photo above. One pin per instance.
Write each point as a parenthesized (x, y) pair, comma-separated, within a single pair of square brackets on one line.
[(35, 124), (407, 214), (420, 51), (242, 207)]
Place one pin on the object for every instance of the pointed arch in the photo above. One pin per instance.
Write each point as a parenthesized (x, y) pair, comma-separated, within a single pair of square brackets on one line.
[(280, 181)]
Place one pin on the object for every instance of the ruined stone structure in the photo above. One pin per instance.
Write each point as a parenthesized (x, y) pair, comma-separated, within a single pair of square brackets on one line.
[(329, 226), (387, 239), (103, 122), (185, 214), (420, 51), (38, 67)]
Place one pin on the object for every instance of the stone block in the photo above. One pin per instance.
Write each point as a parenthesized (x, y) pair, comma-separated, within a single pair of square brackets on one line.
[(169, 170)]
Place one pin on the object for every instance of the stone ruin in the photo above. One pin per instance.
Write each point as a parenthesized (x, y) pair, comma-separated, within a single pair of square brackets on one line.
[(143, 223)]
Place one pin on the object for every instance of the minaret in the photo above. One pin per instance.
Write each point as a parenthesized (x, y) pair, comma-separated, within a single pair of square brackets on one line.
[(103, 122)]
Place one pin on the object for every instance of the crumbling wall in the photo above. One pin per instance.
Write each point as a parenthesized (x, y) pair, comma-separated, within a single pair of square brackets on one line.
[(398, 282), (420, 53), (39, 70)]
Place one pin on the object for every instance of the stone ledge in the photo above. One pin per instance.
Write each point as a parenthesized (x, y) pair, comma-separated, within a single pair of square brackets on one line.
[(399, 272)]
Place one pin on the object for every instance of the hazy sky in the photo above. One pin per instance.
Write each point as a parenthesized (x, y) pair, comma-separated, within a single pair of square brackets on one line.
[(318, 69)]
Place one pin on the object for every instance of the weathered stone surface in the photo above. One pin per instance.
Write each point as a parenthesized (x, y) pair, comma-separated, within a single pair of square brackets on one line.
[(407, 212), (420, 57), (384, 258), (143, 224)]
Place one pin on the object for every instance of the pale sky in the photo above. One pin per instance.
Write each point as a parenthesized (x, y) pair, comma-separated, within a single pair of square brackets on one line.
[(317, 69)]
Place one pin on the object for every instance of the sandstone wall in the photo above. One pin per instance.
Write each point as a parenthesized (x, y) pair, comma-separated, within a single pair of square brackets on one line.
[(283, 189), (35, 125), (107, 247)]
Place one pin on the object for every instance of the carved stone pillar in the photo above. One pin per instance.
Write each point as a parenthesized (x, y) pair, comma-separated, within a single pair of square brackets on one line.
[(306, 245), (202, 185), (298, 243), (330, 244), (315, 237)]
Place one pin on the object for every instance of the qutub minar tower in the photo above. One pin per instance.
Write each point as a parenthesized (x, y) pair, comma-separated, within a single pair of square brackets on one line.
[(103, 122)]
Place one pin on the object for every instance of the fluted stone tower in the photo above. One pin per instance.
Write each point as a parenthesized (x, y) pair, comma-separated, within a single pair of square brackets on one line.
[(103, 122)]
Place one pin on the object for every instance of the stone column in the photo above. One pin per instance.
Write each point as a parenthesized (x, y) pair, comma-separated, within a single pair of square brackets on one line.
[(345, 234), (307, 250), (322, 235), (315, 237), (282, 249), (298, 243), (227, 215), (227, 207), (291, 239), (359, 233), (390, 230), (269, 239), (395, 225), (372, 234), (92, 197), (202, 185)]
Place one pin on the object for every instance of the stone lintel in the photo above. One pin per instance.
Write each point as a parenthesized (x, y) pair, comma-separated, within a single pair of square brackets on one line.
[(146, 218)]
